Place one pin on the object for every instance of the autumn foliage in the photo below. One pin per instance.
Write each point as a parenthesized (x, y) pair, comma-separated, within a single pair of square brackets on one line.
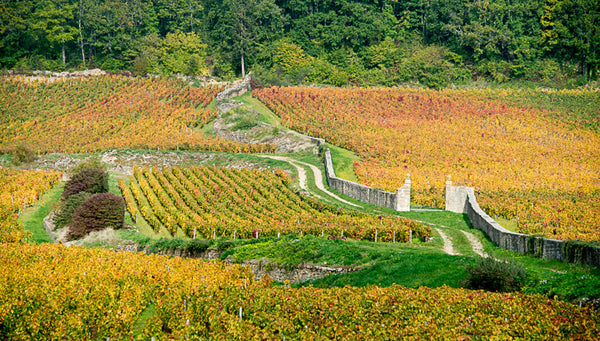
[(525, 164), (98, 113), (20, 189), (90, 180), (210, 201), (96, 213), (52, 292)]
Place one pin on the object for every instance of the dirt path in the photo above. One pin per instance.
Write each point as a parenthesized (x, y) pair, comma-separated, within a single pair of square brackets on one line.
[(448, 248), (475, 244), (303, 179)]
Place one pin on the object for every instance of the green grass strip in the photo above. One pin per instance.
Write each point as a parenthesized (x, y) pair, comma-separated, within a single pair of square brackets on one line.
[(265, 114), (32, 218)]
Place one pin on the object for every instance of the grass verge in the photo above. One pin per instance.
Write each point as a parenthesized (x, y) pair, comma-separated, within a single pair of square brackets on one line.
[(265, 114), (32, 218), (343, 162)]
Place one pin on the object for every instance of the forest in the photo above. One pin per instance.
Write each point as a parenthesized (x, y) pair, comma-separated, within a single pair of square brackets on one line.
[(434, 43)]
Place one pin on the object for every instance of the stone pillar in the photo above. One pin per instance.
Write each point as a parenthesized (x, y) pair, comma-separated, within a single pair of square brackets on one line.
[(456, 197), (403, 196)]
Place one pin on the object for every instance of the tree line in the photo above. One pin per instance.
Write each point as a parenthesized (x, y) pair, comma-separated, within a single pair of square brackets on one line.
[(433, 42)]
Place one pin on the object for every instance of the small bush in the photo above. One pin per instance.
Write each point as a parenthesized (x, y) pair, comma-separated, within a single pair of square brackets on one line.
[(63, 217), (88, 180), (23, 154), (245, 123), (93, 162), (98, 212), (492, 275), (224, 245), (197, 246)]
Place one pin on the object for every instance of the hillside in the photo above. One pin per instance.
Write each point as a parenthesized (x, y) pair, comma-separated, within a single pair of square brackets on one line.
[(400, 274)]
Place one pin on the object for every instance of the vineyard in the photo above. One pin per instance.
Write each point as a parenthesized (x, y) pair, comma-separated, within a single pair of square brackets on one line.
[(525, 163), (53, 292), (18, 190), (536, 167), (206, 202), (89, 115)]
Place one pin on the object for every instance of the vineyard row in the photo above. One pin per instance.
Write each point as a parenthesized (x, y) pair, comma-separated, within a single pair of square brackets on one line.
[(205, 202)]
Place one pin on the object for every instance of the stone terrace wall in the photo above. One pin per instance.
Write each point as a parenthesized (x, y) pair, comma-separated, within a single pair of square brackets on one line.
[(399, 201), (236, 90), (461, 199)]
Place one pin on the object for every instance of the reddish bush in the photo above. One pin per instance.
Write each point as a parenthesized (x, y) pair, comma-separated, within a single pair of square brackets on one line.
[(88, 180), (98, 212)]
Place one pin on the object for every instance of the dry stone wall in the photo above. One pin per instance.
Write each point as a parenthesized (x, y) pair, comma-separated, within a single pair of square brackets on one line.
[(298, 274), (460, 199), (236, 90), (399, 201)]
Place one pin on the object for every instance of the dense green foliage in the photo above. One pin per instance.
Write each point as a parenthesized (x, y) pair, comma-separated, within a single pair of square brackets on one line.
[(64, 215), (432, 42), (495, 275)]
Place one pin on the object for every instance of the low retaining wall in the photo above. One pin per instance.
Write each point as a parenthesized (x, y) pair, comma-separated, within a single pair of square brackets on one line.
[(460, 199), (236, 90), (49, 227), (399, 201), (301, 273), (209, 254)]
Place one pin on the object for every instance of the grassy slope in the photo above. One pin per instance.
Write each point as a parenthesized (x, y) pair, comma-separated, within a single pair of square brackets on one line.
[(343, 162), (413, 265), (265, 114), (32, 218)]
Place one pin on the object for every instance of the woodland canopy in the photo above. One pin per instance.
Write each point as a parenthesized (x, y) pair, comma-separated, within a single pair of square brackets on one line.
[(433, 42)]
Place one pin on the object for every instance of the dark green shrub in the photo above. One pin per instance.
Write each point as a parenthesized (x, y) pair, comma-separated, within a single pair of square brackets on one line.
[(98, 212), (88, 180), (63, 217), (224, 245), (492, 275), (197, 246)]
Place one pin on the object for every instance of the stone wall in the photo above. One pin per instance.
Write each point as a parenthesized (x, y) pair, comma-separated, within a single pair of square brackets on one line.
[(301, 273), (460, 199), (236, 90), (298, 274), (209, 254), (49, 227), (399, 201)]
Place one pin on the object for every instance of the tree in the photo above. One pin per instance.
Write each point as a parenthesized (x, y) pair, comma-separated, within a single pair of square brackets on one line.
[(572, 28), (52, 20), (15, 36), (245, 25), (96, 213), (183, 53), (289, 56), (91, 180), (178, 15)]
